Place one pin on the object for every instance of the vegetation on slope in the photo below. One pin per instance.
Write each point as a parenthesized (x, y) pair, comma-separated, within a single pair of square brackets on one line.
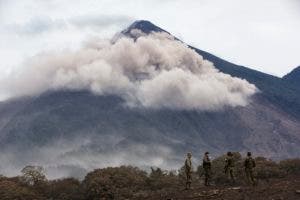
[(127, 182)]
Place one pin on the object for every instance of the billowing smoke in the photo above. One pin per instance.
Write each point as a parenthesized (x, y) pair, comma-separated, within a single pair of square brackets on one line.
[(153, 71)]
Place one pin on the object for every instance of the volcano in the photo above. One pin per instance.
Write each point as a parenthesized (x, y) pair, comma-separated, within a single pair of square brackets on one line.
[(71, 131)]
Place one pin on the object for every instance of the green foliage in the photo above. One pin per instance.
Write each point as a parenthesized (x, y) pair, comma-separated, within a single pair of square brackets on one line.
[(290, 166), (114, 182)]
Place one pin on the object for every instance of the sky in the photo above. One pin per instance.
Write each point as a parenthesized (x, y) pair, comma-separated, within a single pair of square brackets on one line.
[(262, 35)]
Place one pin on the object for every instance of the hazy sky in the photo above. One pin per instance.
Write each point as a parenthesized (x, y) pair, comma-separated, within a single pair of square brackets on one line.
[(262, 35)]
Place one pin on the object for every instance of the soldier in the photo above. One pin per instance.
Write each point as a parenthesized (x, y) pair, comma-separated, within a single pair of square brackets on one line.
[(207, 168), (249, 164), (229, 165), (188, 170)]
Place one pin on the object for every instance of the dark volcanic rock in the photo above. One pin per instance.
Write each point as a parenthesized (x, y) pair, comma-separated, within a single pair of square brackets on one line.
[(144, 26)]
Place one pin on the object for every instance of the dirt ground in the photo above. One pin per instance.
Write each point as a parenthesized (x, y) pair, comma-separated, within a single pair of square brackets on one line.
[(275, 189)]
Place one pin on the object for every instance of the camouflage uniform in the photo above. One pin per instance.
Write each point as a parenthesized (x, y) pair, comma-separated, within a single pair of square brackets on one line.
[(249, 164), (188, 170), (229, 166), (207, 168)]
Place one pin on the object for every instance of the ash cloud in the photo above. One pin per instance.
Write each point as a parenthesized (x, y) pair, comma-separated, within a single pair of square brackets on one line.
[(75, 157), (153, 71)]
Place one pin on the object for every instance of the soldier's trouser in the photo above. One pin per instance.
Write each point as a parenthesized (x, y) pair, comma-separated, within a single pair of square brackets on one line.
[(249, 176), (188, 178), (230, 174), (207, 176)]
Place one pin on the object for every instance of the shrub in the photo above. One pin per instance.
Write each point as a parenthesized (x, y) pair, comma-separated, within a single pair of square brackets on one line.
[(290, 166), (11, 189), (114, 182), (266, 169), (65, 189), (159, 179)]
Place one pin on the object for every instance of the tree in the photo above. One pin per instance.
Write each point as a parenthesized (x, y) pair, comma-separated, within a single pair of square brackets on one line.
[(33, 175)]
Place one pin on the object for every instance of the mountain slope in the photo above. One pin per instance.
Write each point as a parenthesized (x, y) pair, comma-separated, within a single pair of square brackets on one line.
[(83, 130), (276, 90), (293, 77), (73, 131)]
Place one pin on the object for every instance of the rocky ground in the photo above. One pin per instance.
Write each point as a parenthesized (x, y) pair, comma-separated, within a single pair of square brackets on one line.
[(275, 189)]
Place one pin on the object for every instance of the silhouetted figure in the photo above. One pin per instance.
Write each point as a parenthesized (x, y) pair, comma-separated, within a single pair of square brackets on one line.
[(206, 164), (188, 170), (229, 166), (249, 165)]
